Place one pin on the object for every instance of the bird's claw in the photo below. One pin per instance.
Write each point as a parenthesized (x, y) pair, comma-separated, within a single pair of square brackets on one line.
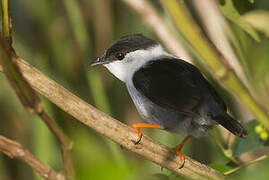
[(139, 139), (182, 163)]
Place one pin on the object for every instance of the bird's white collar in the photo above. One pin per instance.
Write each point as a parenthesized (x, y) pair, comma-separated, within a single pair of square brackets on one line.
[(125, 68)]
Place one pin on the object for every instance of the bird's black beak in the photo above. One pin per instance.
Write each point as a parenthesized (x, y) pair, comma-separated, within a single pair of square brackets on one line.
[(99, 61), (96, 61)]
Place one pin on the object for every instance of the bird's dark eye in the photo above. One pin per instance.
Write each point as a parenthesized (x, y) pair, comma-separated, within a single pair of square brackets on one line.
[(120, 56)]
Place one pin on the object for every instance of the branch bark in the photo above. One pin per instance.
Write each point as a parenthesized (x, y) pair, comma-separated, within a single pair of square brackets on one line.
[(15, 150), (115, 130)]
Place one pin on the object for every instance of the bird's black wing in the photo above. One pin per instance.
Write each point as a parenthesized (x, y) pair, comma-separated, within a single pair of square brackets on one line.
[(173, 83)]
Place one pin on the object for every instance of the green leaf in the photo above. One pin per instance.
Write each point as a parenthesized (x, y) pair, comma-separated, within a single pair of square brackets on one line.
[(220, 167), (251, 1), (232, 13), (252, 141), (257, 19)]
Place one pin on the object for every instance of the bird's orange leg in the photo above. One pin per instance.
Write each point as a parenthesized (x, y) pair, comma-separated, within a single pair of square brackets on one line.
[(137, 127), (178, 150)]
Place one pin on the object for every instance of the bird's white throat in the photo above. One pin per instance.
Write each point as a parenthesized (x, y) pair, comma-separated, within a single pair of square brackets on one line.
[(125, 68)]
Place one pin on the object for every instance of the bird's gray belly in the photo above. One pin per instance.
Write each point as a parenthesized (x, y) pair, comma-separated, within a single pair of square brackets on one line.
[(171, 120)]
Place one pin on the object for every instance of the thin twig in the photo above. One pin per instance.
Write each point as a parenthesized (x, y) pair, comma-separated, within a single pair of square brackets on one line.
[(261, 158), (66, 144), (6, 22), (115, 130), (226, 150), (15, 150)]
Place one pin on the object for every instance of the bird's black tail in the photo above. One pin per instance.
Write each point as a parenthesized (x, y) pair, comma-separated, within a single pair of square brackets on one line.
[(232, 125)]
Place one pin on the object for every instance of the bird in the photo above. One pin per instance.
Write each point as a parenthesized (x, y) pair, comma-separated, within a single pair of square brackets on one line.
[(168, 92)]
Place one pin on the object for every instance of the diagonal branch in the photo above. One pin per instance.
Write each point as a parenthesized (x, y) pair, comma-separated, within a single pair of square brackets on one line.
[(15, 150), (115, 130)]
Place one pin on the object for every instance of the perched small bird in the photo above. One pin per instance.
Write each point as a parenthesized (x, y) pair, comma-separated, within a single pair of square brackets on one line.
[(168, 92)]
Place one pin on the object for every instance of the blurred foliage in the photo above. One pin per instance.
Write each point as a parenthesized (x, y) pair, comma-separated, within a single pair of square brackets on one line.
[(61, 37), (261, 25), (251, 142), (233, 10), (221, 167)]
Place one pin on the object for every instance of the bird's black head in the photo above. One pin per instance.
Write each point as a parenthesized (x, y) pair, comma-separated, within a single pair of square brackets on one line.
[(126, 44)]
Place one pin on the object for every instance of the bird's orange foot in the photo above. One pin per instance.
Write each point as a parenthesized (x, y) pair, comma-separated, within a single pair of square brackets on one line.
[(137, 127), (181, 157), (178, 148)]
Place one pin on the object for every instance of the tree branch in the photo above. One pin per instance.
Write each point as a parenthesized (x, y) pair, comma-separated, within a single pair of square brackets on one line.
[(115, 130), (15, 150)]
